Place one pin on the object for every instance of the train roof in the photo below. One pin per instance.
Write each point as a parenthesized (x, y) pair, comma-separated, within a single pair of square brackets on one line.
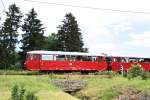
[(126, 56), (65, 53)]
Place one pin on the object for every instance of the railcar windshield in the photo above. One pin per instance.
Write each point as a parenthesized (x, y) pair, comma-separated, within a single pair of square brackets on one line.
[(29, 57)]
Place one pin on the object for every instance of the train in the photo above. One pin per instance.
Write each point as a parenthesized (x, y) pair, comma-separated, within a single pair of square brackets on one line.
[(40, 60)]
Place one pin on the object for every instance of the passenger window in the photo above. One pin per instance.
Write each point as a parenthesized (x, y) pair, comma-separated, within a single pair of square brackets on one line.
[(60, 58), (86, 58), (70, 58), (47, 57), (93, 59)]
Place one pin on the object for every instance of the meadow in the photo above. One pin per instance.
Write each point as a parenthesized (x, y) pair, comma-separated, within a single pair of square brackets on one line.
[(98, 87)]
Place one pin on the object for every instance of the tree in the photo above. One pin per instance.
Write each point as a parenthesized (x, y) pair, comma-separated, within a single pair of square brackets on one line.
[(9, 34), (52, 42), (33, 38), (10, 29), (69, 35)]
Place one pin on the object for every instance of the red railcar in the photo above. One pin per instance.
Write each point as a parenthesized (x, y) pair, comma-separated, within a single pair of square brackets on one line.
[(118, 63), (58, 60)]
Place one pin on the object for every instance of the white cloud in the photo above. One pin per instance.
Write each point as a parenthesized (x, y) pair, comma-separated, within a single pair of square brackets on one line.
[(103, 48), (100, 28), (122, 26), (142, 39)]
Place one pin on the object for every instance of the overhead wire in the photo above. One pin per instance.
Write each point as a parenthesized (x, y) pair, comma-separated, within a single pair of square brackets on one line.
[(88, 7)]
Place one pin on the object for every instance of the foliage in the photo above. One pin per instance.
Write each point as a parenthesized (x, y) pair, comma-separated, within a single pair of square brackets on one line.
[(33, 37), (10, 27), (69, 35), (31, 96), (14, 93), (136, 71), (19, 94), (8, 36), (145, 75), (52, 42)]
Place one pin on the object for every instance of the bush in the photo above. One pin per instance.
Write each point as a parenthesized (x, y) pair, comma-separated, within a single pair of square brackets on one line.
[(135, 71), (31, 96), (145, 75), (14, 93), (19, 94)]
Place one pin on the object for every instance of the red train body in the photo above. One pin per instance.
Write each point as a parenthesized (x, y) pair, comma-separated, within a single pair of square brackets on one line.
[(125, 63), (77, 61), (58, 60)]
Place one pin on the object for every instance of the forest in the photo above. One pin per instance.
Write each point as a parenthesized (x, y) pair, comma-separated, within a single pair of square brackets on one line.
[(13, 48)]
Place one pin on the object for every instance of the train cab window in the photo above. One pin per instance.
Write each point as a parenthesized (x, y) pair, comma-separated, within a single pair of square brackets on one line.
[(47, 57), (36, 57), (29, 56)]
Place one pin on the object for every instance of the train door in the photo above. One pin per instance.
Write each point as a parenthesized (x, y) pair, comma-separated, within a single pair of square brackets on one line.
[(36, 62), (102, 64), (108, 61)]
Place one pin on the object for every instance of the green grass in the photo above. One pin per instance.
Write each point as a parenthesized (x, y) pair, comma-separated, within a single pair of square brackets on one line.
[(108, 88), (98, 87), (19, 72), (40, 84)]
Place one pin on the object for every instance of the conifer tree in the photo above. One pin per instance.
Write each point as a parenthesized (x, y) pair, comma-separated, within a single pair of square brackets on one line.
[(69, 35), (33, 38), (9, 34), (10, 28)]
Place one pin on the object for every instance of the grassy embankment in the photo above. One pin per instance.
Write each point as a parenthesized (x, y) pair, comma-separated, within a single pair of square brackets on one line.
[(40, 84), (108, 88), (98, 87)]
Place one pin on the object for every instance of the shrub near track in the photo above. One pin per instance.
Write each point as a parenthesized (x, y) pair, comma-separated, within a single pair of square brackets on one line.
[(137, 71)]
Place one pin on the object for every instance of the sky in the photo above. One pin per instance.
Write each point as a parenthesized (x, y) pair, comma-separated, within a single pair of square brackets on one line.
[(104, 31)]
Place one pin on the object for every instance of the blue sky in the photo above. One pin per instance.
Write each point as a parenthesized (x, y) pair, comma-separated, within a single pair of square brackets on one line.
[(114, 33)]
